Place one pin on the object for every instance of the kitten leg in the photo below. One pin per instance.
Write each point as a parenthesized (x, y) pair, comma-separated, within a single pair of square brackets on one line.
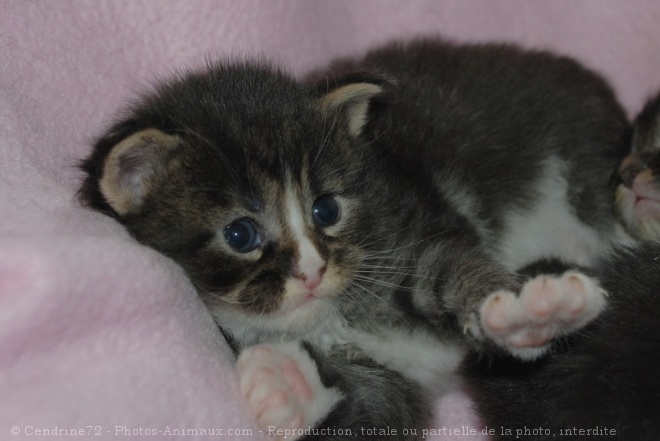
[(546, 307), (283, 389), (379, 403), (520, 312)]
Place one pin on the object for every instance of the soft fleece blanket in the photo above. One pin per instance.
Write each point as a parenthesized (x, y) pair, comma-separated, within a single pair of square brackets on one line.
[(101, 335)]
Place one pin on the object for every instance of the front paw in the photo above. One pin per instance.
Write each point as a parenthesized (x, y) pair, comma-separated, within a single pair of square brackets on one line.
[(547, 306), (283, 389)]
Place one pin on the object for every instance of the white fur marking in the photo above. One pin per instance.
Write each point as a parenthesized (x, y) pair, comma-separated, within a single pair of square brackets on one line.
[(310, 262), (550, 229), (418, 355)]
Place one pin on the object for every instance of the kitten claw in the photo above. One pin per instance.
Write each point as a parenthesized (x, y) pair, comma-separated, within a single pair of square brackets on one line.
[(282, 387), (547, 306)]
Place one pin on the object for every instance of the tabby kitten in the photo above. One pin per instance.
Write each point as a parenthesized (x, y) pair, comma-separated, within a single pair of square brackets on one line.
[(638, 193), (355, 237)]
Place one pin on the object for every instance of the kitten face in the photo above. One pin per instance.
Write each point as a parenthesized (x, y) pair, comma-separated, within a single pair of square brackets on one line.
[(250, 182), (638, 194), (283, 246)]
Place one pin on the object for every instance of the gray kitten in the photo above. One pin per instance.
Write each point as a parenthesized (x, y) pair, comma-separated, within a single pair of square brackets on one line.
[(355, 236)]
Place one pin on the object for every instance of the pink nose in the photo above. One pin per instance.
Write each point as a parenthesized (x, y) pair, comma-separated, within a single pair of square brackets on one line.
[(310, 278)]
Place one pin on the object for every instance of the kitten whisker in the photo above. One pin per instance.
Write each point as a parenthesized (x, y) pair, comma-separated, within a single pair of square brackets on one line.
[(385, 302), (360, 301), (410, 244), (389, 258), (365, 244), (402, 273), (235, 302), (378, 282), (389, 267)]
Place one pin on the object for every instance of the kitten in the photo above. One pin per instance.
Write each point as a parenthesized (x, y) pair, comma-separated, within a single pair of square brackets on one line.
[(605, 377), (509, 143), (355, 238), (601, 383), (638, 193)]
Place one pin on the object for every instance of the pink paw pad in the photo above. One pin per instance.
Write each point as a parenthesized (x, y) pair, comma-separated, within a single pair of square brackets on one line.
[(547, 306), (282, 387), (274, 386)]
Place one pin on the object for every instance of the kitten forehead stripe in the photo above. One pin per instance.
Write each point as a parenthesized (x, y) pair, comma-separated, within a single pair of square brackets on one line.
[(309, 260)]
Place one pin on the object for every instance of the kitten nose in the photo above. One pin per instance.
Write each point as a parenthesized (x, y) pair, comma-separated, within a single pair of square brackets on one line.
[(311, 278)]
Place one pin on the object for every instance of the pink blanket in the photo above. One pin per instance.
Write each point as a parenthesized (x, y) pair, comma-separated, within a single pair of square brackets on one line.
[(101, 335)]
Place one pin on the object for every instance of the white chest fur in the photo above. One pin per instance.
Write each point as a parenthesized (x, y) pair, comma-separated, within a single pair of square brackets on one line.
[(417, 355), (550, 228)]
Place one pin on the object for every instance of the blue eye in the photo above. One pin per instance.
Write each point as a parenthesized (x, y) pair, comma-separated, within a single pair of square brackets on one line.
[(325, 211), (242, 235)]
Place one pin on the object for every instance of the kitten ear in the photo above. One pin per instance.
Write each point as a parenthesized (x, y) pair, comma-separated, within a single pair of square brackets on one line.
[(133, 166), (646, 138), (354, 97)]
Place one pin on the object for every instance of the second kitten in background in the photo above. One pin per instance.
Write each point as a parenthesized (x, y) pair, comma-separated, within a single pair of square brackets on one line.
[(638, 193), (603, 381)]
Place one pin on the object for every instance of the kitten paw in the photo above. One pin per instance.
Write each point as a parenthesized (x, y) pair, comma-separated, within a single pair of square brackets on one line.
[(283, 389), (548, 306)]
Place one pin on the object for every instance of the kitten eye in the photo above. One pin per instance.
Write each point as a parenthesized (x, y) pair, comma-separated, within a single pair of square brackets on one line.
[(242, 235), (325, 211)]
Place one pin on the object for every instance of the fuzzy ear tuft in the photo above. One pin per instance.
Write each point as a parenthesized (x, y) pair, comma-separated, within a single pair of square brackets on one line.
[(132, 168), (354, 98)]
